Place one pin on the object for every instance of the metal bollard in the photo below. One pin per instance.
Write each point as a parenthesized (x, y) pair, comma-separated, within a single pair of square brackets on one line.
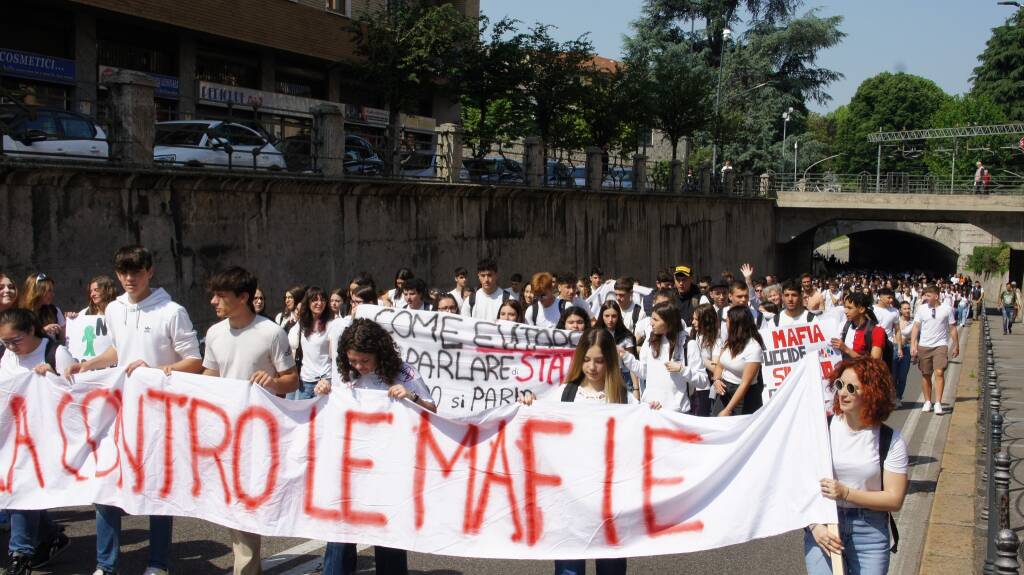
[(1006, 545), (989, 512), (1001, 479)]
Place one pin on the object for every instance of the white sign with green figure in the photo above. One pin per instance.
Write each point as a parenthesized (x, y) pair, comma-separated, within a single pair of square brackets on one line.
[(87, 336)]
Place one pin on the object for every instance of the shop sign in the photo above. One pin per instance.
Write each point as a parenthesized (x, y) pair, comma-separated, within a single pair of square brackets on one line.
[(422, 123), (224, 95), (366, 115), (166, 86), (36, 66)]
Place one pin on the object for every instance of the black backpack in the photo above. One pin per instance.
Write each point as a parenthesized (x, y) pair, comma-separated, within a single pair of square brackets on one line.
[(472, 299), (869, 328), (50, 354), (562, 304), (884, 442)]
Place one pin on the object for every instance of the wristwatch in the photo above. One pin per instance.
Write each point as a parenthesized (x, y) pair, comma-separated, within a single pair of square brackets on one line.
[(415, 397)]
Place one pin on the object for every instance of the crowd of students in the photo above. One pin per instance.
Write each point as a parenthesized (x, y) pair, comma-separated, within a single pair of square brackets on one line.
[(703, 331)]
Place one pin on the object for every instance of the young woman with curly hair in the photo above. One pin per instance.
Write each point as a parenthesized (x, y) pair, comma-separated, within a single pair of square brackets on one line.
[(368, 359), (8, 292), (865, 489)]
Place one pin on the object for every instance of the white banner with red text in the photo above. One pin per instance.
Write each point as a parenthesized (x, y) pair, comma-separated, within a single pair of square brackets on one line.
[(787, 346), (551, 480)]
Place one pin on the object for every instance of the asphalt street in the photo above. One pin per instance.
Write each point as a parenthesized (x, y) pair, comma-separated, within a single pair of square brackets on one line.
[(201, 547)]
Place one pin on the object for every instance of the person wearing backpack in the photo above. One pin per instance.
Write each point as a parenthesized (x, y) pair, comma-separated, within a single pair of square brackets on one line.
[(35, 538), (861, 336), (793, 310), (870, 483), (485, 302), (546, 310), (1008, 303)]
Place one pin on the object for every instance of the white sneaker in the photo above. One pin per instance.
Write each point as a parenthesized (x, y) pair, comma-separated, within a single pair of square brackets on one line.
[(938, 408), (926, 407)]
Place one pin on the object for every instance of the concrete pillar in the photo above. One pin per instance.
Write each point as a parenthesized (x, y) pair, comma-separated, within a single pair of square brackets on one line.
[(86, 62), (675, 177), (534, 162), (334, 85), (640, 173), (686, 154), (132, 118), (449, 152), (328, 147), (187, 54), (268, 74), (595, 171)]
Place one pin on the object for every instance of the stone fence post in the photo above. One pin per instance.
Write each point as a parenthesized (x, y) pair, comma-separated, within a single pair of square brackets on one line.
[(328, 142), (675, 177), (640, 173), (535, 162), (595, 168), (449, 152), (132, 118)]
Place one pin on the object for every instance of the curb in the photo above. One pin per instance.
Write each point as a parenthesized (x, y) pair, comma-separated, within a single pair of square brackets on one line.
[(949, 545)]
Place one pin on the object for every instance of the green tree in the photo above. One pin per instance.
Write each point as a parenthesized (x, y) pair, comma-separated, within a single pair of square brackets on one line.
[(1000, 76), (554, 83), (968, 110), (488, 78), (405, 49), (606, 108), (886, 102)]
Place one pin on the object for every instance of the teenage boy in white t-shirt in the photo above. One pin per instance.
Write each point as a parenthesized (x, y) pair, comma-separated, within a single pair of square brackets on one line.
[(793, 310), (147, 329), (934, 328), (247, 346), (546, 310), (632, 312), (887, 315), (566, 283), (461, 274), (485, 302)]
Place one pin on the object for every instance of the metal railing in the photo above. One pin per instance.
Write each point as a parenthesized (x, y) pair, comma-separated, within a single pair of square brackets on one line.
[(1002, 544), (896, 183)]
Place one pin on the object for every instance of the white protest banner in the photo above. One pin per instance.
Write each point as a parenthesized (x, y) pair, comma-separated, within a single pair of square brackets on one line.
[(786, 346), (471, 365), (606, 292), (552, 480), (87, 336)]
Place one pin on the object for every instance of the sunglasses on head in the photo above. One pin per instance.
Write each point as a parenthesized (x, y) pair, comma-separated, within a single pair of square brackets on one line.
[(850, 388), (41, 277)]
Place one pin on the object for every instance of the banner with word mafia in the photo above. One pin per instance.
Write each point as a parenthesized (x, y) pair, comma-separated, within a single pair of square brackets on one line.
[(552, 480), (787, 346)]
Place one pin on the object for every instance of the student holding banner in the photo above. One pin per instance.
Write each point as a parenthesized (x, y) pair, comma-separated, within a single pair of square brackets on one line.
[(86, 331), (35, 538), (671, 365), (793, 307), (147, 330), (594, 378), (310, 343), (246, 346), (870, 463), (368, 359), (856, 341)]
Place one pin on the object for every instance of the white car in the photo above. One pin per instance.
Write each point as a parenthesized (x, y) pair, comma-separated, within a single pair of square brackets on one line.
[(198, 143), (46, 133)]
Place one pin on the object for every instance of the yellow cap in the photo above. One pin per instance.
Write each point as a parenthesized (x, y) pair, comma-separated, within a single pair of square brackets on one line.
[(684, 270)]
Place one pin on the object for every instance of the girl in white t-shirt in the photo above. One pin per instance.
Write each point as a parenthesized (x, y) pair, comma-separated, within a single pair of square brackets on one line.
[(26, 348), (865, 489), (310, 342), (668, 349), (739, 363), (705, 330), (368, 359)]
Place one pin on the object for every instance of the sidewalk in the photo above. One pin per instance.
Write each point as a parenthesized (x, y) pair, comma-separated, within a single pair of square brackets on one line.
[(949, 544), (1009, 358)]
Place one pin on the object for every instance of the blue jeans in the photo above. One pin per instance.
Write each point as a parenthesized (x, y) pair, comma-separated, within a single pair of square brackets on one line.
[(305, 391), (901, 371), (108, 538), (340, 559), (865, 536), (1009, 314), (28, 530), (579, 566)]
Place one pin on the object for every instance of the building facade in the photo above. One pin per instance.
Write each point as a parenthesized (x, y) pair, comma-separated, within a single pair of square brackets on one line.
[(268, 61)]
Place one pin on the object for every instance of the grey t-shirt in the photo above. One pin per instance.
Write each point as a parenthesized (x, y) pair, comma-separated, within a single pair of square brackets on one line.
[(238, 353)]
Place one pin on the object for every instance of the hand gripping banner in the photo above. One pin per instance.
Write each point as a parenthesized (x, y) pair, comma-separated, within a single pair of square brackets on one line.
[(551, 480)]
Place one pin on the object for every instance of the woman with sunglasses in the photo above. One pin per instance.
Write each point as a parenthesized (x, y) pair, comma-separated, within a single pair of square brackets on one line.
[(865, 489), (35, 538), (37, 296)]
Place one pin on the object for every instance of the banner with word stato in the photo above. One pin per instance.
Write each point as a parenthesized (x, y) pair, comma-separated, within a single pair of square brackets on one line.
[(786, 347), (471, 365), (552, 480)]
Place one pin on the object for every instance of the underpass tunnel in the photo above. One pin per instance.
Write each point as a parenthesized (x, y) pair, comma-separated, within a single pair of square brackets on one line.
[(893, 251)]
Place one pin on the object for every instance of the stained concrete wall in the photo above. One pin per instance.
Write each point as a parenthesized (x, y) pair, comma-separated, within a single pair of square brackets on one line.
[(68, 221)]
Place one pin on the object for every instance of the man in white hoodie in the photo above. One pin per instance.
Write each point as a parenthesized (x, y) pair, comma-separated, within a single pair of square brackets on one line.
[(147, 330)]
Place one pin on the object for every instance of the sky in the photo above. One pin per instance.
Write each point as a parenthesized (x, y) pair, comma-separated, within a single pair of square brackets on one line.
[(937, 39)]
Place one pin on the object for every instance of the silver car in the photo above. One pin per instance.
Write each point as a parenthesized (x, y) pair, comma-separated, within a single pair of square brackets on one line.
[(198, 143)]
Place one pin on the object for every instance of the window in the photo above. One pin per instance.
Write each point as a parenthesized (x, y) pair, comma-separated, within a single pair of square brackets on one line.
[(76, 128), (43, 122), (241, 136), (180, 134)]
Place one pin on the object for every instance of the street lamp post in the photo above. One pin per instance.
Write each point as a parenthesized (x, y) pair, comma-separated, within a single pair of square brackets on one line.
[(785, 121), (718, 97), (796, 148)]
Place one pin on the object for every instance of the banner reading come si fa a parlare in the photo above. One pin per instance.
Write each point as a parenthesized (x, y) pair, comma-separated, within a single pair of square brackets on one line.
[(551, 480), (471, 365)]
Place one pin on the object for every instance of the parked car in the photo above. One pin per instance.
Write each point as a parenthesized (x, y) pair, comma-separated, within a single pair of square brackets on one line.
[(31, 132), (493, 170), (359, 155), (198, 143)]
